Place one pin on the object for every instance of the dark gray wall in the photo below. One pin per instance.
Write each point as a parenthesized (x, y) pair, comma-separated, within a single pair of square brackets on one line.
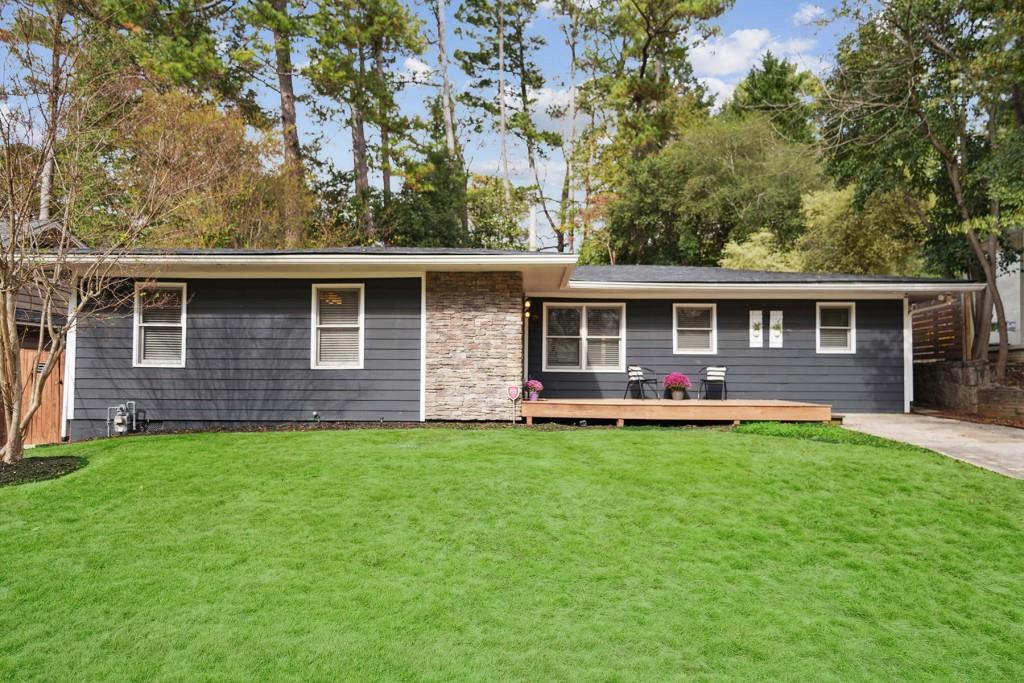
[(869, 380), (248, 360)]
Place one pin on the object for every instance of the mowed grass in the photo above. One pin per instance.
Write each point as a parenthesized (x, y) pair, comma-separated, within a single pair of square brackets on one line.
[(511, 554)]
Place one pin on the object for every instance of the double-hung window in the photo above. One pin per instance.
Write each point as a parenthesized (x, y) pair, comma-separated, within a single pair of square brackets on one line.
[(695, 328), (837, 327), (584, 337), (160, 325), (337, 334)]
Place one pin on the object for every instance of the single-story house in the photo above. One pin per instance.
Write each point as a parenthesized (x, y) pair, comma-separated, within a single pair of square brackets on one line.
[(223, 337)]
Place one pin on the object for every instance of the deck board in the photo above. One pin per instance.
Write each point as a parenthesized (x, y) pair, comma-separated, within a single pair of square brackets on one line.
[(698, 410)]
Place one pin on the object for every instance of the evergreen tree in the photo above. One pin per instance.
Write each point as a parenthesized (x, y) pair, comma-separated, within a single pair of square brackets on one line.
[(778, 90)]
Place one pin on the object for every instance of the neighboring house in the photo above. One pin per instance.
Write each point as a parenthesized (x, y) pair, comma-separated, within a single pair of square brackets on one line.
[(221, 338), (1011, 288), (46, 234)]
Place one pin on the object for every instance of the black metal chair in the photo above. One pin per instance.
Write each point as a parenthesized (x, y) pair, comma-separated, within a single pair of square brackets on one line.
[(638, 377), (713, 375)]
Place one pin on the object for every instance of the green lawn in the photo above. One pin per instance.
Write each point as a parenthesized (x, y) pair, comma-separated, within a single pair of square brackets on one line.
[(435, 554)]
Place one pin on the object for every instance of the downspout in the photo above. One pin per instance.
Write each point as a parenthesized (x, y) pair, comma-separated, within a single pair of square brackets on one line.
[(423, 347), (908, 355), (70, 350)]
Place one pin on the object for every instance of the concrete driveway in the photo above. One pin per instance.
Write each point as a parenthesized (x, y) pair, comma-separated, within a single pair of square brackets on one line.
[(996, 448)]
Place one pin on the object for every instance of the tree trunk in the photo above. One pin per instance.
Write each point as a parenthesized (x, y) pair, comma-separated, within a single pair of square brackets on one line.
[(531, 147), (1003, 351), (565, 218), (14, 448), (506, 179), (988, 260), (360, 166), (568, 206), (384, 125), (292, 204), (982, 319), (1017, 102), (446, 85), (987, 257), (588, 189), (54, 90)]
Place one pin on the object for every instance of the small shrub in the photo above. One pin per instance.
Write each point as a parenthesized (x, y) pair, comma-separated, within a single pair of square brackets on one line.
[(819, 432)]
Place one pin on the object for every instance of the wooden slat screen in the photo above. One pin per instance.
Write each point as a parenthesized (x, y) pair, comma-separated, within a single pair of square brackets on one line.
[(939, 328)]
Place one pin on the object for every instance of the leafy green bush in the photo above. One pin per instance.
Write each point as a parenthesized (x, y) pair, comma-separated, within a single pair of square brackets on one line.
[(819, 432)]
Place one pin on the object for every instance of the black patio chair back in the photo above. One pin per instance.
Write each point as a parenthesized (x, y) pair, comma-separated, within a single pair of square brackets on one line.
[(641, 378), (713, 376)]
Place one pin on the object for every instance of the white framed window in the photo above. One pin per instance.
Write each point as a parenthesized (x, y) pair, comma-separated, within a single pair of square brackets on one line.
[(584, 337), (336, 336), (695, 329), (836, 327), (158, 337)]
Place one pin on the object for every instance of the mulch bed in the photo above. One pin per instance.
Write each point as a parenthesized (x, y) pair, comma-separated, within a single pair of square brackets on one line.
[(38, 469)]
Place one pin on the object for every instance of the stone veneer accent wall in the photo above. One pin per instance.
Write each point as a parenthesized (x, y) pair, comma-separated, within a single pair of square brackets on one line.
[(474, 344)]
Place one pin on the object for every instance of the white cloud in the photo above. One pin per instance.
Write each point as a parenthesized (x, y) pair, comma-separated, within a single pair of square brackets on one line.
[(730, 54), (722, 90), (736, 53), (808, 14), (20, 123), (813, 63), (545, 98), (518, 168), (551, 169), (417, 71)]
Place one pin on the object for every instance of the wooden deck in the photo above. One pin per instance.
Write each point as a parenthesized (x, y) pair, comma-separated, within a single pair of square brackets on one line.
[(622, 409)]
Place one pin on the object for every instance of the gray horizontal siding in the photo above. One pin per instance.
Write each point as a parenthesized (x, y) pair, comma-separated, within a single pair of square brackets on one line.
[(248, 360), (869, 380)]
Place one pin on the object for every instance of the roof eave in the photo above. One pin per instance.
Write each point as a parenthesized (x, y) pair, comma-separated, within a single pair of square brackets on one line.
[(780, 287), (323, 259)]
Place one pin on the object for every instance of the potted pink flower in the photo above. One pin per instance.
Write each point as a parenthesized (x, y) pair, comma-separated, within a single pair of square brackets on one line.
[(677, 383), (533, 389)]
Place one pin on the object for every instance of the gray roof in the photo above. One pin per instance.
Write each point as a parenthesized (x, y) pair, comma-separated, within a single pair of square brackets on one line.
[(38, 229), (709, 275), (397, 251)]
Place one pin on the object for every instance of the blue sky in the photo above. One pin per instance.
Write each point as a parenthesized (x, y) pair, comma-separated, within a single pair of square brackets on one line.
[(786, 27)]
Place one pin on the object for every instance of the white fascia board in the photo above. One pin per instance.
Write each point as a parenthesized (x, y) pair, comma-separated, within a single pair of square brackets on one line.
[(412, 260), (770, 289)]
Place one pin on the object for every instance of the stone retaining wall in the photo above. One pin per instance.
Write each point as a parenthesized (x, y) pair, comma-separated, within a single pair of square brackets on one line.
[(474, 344), (1003, 403), (965, 386), (950, 384)]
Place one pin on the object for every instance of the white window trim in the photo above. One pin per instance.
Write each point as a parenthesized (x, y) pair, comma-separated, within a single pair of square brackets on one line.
[(137, 361), (621, 367), (714, 330), (313, 325), (852, 348)]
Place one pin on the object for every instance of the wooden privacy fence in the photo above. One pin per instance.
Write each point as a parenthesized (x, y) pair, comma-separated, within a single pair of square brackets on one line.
[(940, 329), (45, 426)]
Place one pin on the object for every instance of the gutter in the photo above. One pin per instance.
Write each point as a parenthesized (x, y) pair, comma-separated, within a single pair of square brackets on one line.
[(325, 259), (908, 287)]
